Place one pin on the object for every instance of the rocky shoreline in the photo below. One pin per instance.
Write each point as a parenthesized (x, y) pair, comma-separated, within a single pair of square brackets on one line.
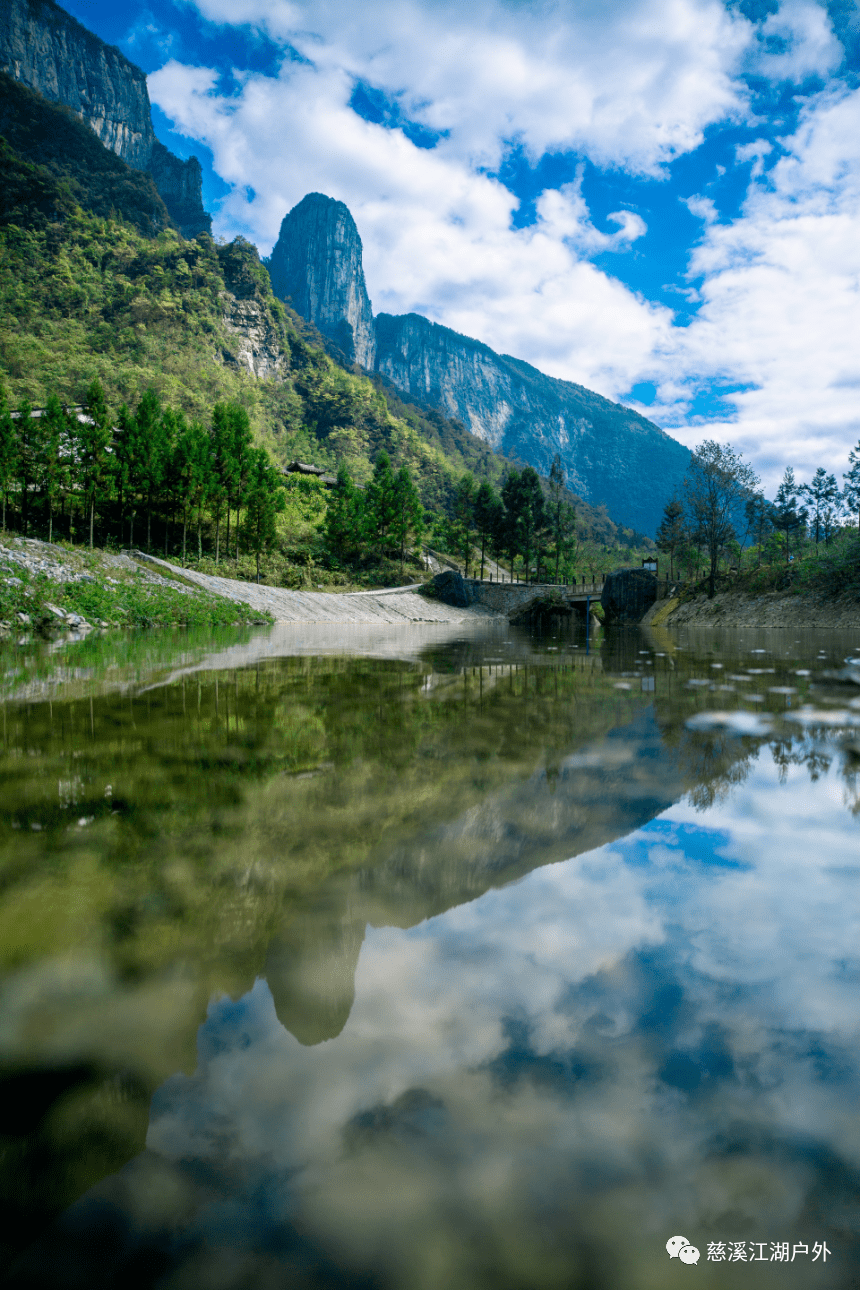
[(780, 609)]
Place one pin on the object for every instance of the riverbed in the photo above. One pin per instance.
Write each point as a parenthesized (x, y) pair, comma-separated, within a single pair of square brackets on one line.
[(449, 955)]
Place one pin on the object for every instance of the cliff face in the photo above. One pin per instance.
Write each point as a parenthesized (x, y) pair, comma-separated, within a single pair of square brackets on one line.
[(46, 49), (612, 456), (316, 266), (180, 184)]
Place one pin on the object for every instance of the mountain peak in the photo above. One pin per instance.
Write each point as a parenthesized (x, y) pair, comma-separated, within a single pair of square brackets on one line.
[(316, 264)]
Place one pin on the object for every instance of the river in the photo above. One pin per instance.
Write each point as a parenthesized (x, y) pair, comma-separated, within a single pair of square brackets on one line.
[(459, 957)]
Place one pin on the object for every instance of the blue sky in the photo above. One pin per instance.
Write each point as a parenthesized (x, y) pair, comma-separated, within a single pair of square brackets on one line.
[(657, 199)]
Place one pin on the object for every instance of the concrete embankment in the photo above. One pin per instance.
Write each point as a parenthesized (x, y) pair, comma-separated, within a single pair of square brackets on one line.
[(395, 605), (768, 609)]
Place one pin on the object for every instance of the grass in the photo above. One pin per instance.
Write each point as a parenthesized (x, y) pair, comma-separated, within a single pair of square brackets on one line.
[(109, 596)]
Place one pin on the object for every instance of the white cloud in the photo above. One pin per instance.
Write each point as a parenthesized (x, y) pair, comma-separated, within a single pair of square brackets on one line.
[(756, 153), (629, 86), (438, 236), (703, 208), (781, 311), (796, 42)]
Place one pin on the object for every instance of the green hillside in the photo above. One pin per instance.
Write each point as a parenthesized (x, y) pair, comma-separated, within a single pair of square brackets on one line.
[(95, 283)]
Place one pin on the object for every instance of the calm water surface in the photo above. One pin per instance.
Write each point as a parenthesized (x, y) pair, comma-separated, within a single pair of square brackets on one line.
[(411, 960)]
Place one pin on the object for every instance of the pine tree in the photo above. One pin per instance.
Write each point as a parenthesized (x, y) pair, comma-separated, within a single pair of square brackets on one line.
[(189, 470), (381, 502), (52, 453), (263, 503), (91, 437), (759, 514), (785, 516), (561, 515), (509, 533), (464, 519), (672, 533), (152, 452), (409, 513), (851, 492), (26, 458), (8, 449), (487, 512), (345, 524), (823, 494)]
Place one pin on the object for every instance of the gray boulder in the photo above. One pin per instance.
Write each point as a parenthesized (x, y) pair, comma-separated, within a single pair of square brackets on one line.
[(451, 589), (628, 594)]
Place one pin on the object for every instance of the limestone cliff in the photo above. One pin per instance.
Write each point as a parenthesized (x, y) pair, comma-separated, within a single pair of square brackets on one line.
[(48, 50), (316, 266), (180, 184), (612, 455)]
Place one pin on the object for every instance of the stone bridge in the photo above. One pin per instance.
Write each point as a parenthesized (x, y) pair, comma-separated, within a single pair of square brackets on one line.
[(508, 597)]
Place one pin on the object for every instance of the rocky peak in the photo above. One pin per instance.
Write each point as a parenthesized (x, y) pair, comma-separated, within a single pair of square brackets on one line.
[(48, 50), (316, 266)]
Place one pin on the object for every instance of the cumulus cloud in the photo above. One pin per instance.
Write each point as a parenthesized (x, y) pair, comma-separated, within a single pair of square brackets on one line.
[(781, 303), (629, 87), (629, 84), (795, 42), (438, 236)]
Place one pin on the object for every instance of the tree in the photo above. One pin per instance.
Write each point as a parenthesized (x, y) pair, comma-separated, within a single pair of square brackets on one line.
[(672, 533), (263, 503), (561, 515), (530, 514), (221, 468), (235, 461), (8, 449), (487, 509), (464, 518), (509, 534), (851, 491), (716, 485), (785, 516), (190, 471), (26, 458), (52, 444), (154, 429), (823, 495), (345, 525), (91, 437), (758, 513), (130, 462), (381, 502), (409, 513)]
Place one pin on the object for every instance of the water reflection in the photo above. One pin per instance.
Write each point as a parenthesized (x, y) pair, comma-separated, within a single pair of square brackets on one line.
[(436, 1049)]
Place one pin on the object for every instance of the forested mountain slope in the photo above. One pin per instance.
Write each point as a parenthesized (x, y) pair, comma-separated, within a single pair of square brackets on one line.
[(613, 456)]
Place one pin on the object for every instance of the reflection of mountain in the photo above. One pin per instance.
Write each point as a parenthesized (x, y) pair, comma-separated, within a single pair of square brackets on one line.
[(310, 970), (591, 797), (264, 810)]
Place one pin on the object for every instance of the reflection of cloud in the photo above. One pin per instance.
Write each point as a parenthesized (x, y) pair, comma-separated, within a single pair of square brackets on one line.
[(653, 1029)]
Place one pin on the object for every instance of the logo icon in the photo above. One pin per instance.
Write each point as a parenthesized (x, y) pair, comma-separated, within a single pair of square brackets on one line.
[(680, 1248)]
